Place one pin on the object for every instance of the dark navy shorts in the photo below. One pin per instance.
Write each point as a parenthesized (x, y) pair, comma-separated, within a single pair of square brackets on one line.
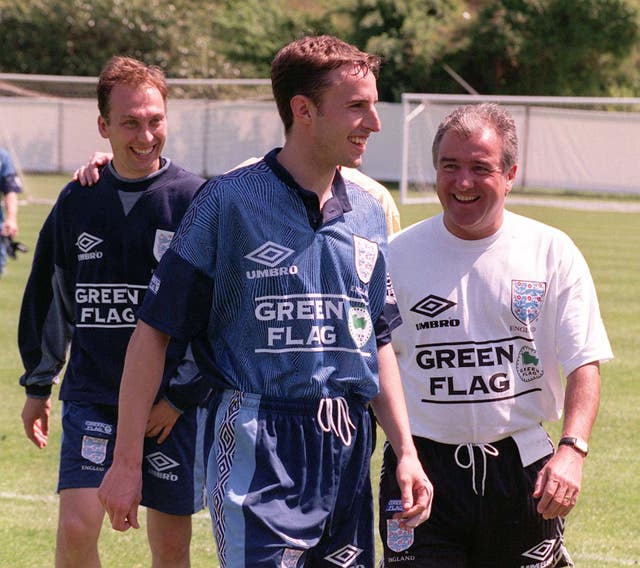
[(483, 516), (283, 492), (172, 472)]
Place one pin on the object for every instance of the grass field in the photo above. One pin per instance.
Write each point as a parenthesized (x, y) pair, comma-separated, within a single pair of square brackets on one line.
[(603, 530)]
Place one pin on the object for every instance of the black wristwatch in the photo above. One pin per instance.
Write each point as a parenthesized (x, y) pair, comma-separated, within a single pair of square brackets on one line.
[(577, 444)]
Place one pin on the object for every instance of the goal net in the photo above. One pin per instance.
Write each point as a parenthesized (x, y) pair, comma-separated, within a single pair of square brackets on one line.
[(565, 143)]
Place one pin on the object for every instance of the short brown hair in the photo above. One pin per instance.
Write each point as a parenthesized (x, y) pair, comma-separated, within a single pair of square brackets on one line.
[(129, 71), (467, 119), (301, 68)]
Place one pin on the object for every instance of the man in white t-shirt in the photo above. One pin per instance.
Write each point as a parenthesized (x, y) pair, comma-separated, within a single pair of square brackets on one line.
[(496, 308)]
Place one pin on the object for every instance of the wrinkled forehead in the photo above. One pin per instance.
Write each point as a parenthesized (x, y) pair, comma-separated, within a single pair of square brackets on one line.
[(129, 99), (482, 142)]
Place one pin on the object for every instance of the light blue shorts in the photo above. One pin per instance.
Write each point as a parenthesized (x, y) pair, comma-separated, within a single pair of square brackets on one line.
[(282, 490)]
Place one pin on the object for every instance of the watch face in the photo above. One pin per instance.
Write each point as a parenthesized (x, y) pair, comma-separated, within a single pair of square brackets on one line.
[(577, 443), (581, 445)]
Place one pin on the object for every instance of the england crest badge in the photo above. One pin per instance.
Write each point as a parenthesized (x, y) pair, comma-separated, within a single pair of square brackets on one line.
[(94, 449), (527, 298), (366, 254), (398, 538), (161, 243)]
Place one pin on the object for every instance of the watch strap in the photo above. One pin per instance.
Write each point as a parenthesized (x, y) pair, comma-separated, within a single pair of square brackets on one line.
[(578, 444)]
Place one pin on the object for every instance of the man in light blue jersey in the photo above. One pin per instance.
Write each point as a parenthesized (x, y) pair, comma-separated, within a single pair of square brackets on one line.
[(10, 186), (278, 278)]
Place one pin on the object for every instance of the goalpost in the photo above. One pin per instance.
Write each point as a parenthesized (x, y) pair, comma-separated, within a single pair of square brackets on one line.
[(567, 143)]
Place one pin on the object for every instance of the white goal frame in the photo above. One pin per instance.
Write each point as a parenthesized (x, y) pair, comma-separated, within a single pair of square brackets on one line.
[(578, 141)]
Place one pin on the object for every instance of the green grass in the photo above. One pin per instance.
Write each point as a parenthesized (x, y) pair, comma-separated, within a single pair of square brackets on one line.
[(602, 531)]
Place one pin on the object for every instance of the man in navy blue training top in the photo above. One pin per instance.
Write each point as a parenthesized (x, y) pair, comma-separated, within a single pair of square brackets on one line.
[(95, 255)]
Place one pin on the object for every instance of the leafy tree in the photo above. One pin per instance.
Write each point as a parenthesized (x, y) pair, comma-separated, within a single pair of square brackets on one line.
[(75, 37), (410, 35), (250, 32), (550, 47), (547, 47)]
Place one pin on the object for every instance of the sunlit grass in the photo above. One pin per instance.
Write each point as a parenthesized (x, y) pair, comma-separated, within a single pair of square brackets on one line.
[(604, 529)]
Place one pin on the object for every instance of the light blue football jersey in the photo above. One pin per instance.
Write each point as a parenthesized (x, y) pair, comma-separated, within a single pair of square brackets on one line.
[(278, 298)]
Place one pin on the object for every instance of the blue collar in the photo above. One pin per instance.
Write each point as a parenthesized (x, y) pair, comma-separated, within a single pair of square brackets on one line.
[(336, 206)]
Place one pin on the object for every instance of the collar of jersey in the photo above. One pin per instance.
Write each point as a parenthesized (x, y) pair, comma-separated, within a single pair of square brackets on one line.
[(132, 184), (333, 208)]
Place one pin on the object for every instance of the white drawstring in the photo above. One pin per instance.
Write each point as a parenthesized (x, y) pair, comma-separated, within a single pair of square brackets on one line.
[(484, 449), (327, 420)]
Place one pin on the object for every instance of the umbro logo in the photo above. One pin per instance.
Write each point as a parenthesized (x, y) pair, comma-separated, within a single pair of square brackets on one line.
[(160, 462), (344, 556), (270, 254), (541, 551), (86, 242), (432, 306)]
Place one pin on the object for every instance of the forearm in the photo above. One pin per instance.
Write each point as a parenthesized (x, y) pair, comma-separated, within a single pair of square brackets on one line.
[(390, 406), (560, 480), (581, 401), (45, 326), (416, 490), (143, 368), (11, 213)]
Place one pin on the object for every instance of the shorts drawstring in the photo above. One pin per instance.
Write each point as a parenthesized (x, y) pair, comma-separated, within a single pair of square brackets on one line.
[(484, 449), (333, 416)]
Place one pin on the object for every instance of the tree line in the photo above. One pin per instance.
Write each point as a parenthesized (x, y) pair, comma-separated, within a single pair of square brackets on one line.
[(516, 47)]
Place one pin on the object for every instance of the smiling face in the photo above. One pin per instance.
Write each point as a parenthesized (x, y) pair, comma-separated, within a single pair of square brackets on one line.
[(345, 117), (136, 128), (471, 184)]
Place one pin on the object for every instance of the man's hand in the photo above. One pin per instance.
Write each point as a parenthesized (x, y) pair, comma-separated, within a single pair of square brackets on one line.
[(120, 494), (416, 493), (162, 418), (89, 174), (9, 228), (35, 419), (558, 483)]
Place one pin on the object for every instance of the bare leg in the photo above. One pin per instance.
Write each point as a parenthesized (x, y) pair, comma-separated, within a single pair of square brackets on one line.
[(79, 522), (169, 539)]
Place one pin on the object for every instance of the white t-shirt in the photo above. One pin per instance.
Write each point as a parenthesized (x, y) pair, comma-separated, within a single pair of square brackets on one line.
[(488, 326)]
